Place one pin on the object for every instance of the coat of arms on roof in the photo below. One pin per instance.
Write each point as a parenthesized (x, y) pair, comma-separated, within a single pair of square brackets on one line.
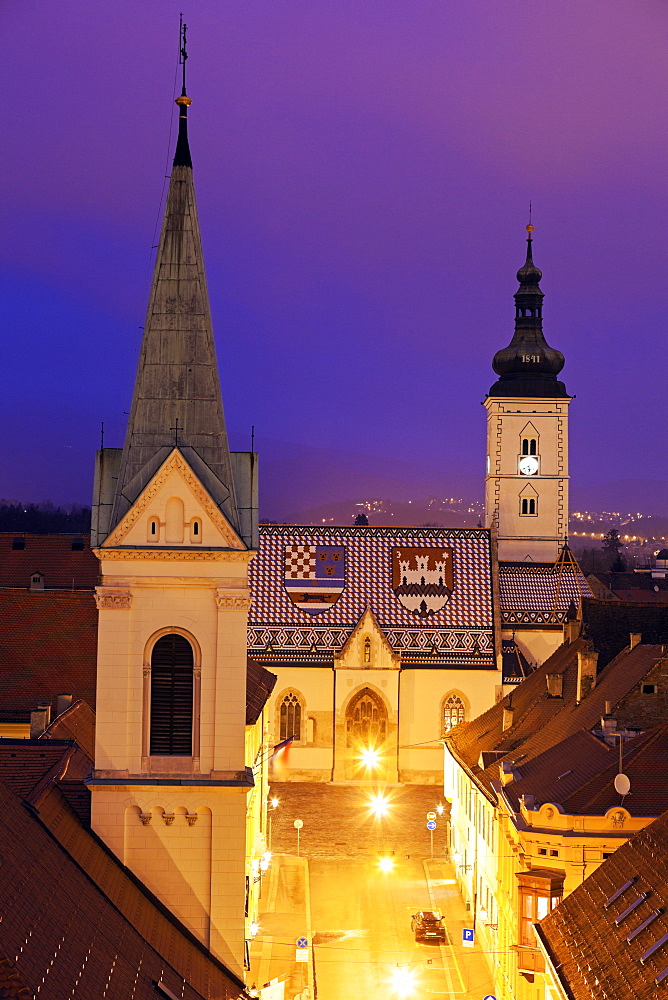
[(422, 579), (315, 576)]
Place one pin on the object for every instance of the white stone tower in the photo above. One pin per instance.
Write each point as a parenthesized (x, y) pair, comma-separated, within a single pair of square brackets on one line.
[(174, 527), (526, 487)]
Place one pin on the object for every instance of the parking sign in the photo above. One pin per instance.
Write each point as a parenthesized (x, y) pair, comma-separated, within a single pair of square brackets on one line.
[(468, 935)]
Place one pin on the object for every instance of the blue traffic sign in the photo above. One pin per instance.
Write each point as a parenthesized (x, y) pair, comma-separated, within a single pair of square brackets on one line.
[(431, 825), (302, 942), (468, 937), (489, 997)]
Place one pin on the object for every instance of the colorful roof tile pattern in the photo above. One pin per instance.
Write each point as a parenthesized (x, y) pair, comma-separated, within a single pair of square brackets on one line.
[(538, 595), (458, 633)]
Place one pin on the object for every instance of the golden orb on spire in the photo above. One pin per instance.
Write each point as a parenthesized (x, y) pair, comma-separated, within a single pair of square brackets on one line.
[(530, 230), (187, 101)]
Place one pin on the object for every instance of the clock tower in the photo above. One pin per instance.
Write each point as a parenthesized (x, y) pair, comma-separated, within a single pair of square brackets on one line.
[(526, 486)]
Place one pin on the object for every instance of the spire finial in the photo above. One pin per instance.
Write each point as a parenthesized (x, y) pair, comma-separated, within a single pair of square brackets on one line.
[(182, 154), (529, 228), (183, 51)]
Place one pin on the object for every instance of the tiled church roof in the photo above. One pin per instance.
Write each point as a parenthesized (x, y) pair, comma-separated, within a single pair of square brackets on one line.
[(538, 595), (460, 633), (62, 566)]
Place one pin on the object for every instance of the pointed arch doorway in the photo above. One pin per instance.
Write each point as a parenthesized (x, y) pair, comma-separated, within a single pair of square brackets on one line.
[(366, 729)]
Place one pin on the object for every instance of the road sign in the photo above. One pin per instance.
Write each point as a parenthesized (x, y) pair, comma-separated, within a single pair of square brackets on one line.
[(298, 824), (302, 942), (468, 935), (431, 815), (431, 825), (301, 954), (489, 997)]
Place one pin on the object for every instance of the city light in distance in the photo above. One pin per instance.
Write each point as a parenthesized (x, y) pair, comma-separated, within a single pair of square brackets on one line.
[(386, 864)]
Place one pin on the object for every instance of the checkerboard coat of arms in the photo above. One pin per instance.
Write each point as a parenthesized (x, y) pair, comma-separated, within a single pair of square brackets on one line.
[(422, 579), (315, 576)]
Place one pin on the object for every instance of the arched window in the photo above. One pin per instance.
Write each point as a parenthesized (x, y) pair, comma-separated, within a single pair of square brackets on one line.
[(529, 446), (171, 730), (453, 712), (367, 650), (291, 717), (528, 505)]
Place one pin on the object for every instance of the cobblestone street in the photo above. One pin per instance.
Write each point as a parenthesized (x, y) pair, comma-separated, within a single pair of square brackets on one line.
[(339, 822)]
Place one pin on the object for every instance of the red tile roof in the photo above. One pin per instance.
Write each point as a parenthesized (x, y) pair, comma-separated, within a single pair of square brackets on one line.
[(541, 721), (62, 567), (48, 646), (75, 923), (587, 938)]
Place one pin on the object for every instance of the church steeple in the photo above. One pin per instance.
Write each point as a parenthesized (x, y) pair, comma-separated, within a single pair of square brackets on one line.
[(177, 400), (528, 366)]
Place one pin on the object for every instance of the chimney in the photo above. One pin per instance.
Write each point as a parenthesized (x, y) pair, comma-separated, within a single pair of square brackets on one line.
[(635, 639), (528, 801), (507, 773), (508, 712), (40, 719), (609, 727), (586, 673), (63, 702), (572, 629), (555, 685)]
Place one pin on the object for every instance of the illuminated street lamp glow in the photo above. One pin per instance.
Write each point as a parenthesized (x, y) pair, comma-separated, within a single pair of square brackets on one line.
[(439, 808), (254, 928), (403, 981), (386, 864), (370, 757), (274, 803), (379, 805)]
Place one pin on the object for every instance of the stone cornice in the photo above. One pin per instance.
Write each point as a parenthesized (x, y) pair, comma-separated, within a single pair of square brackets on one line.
[(233, 600), (112, 598), (175, 555)]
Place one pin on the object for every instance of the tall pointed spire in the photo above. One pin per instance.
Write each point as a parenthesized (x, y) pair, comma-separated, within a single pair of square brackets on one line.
[(177, 400), (528, 366)]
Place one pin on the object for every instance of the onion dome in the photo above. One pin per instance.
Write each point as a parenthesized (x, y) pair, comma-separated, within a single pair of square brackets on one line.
[(528, 366)]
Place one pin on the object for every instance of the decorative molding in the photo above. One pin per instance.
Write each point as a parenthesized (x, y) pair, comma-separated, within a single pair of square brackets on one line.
[(176, 555), (233, 600), (168, 818), (175, 462), (192, 818), (108, 597), (343, 531), (145, 818)]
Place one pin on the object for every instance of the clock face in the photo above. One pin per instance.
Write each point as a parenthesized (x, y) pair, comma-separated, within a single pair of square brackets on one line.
[(528, 465)]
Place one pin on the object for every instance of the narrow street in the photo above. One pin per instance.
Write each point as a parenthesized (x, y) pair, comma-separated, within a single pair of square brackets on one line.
[(360, 915)]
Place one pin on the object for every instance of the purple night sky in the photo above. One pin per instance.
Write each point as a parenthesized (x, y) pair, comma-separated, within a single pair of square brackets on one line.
[(363, 171)]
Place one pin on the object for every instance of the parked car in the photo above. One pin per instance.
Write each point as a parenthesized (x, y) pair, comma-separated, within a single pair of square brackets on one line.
[(427, 925)]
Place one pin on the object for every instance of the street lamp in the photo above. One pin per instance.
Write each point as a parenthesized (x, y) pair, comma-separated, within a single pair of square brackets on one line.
[(482, 914), (274, 805), (379, 805), (386, 864), (370, 758), (403, 981)]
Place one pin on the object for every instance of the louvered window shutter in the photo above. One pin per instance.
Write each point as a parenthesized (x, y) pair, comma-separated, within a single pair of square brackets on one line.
[(172, 697)]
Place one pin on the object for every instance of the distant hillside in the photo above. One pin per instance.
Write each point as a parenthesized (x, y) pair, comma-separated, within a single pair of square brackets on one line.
[(648, 496)]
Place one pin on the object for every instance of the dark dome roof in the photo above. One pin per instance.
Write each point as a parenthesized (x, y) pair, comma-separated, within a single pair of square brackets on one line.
[(528, 366)]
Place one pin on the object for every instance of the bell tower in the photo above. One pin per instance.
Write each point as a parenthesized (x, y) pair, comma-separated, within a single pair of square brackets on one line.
[(174, 528), (526, 486)]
